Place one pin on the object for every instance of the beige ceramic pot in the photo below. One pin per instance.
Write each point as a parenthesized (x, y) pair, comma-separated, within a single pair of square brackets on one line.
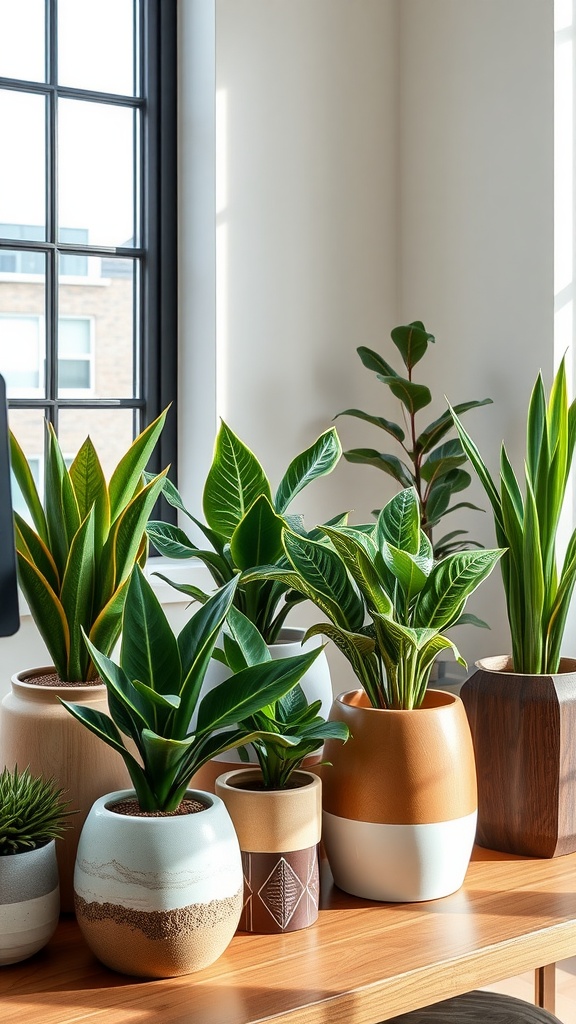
[(36, 731), (524, 732), (399, 799), (279, 834)]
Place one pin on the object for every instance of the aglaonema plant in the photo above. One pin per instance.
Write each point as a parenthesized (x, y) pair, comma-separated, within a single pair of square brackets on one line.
[(289, 716), (244, 523), (154, 694), (428, 463), (387, 600), (538, 585), (76, 555)]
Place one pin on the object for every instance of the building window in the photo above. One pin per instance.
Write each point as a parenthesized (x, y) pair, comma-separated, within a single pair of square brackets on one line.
[(88, 276)]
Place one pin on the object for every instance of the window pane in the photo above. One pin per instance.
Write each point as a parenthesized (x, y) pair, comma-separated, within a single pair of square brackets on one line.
[(110, 431), (73, 375), (96, 45), (22, 185), (97, 321), (96, 186), (22, 39), (28, 427), (22, 329)]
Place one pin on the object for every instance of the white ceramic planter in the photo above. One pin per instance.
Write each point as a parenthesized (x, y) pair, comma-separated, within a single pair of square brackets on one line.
[(316, 684), (158, 896), (29, 902)]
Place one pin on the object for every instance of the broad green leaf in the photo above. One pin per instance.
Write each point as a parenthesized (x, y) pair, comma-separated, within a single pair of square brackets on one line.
[(377, 421), (442, 460), (407, 569), (324, 571), (411, 341), (413, 396), (373, 361), (357, 648), (90, 489), (449, 584), (399, 522), (48, 612), (388, 463), (172, 496), (437, 501), (536, 426), (234, 481), (162, 757), (30, 544), (126, 534), (104, 729), (77, 594), (149, 650), (485, 479), (468, 619), (361, 567), (27, 485), (316, 461), (185, 588), (128, 472), (249, 640), (120, 685), (293, 579), (257, 539), (106, 628), (436, 430), (170, 540)]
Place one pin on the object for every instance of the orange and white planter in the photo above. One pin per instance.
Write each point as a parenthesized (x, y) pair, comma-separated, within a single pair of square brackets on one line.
[(400, 800)]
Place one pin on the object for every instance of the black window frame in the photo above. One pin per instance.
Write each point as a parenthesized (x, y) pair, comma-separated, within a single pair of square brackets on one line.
[(156, 317)]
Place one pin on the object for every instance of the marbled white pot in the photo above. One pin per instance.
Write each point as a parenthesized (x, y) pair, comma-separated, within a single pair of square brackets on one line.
[(158, 896), (29, 902), (279, 833)]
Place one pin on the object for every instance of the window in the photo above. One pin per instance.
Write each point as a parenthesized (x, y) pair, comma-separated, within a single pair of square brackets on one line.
[(88, 220)]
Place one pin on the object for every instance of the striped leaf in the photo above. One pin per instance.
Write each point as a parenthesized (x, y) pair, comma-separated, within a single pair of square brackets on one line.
[(234, 481)]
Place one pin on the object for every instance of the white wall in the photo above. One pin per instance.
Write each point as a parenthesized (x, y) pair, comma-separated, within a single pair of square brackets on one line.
[(378, 161)]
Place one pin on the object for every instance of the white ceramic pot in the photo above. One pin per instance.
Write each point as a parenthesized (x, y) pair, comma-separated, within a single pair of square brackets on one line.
[(29, 902), (279, 834), (316, 684), (158, 896)]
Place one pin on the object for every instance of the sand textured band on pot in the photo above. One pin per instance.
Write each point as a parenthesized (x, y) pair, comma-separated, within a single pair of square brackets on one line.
[(158, 896)]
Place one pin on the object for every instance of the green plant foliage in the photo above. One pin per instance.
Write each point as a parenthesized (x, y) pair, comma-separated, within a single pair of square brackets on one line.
[(538, 589), (244, 523), (431, 467), (154, 694), (289, 716), (74, 562), (393, 599), (32, 811)]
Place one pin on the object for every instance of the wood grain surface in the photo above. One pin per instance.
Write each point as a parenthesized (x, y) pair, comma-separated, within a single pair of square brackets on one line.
[(361, 963)]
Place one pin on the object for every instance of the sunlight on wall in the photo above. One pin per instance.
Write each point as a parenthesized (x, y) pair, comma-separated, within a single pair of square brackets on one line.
[(221, 253)]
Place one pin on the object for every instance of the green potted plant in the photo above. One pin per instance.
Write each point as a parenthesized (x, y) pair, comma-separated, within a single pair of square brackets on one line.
[(520, 704), (400, 798), (158, 879), (33, 816), (428, 462), (277, 807), (75, 557), (243, 528)]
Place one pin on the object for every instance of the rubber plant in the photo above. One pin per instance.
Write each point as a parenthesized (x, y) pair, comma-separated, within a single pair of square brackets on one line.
[(429, 463), (244, 524), (387, 599), (154, 694), (538, 585), (76, 555), (32, 811)]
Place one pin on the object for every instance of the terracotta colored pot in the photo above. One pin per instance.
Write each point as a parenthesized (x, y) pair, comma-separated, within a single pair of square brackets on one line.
[(316, 684), (36, 731), (400, 799), (157, 897), (279, 834), (524, 733), (29, 902)]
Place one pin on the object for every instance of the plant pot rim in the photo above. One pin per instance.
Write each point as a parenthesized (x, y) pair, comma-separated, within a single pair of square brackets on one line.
[(501, 664), (437, 700), (101, 806), (26, 853), (254, 773), (20, 680)]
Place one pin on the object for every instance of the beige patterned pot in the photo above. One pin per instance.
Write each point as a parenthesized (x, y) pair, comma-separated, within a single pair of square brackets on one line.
[(279, 834)]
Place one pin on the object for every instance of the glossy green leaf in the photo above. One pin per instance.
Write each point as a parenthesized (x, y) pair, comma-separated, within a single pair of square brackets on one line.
[(121, 547), (406, 570), (62, 515), (234, 481), (316, 461), (377, 421), (323, 570), (27, 485), (352, 551), (91, 490), (149, 649), (257, 539), (77, 592), (46, 608), (413, 396), (442, 460), (31, 545), (128, 472), (170, 540), (399, 522), (411, 340), (436, 430), (390, 464), (373, 361), (450, 583)]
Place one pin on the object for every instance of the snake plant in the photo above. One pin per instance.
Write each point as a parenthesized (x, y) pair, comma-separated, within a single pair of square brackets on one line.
[(154, 694), (387, 599), (32, 811), (76, 555), (244, 523), (429, 463), (538, 587)]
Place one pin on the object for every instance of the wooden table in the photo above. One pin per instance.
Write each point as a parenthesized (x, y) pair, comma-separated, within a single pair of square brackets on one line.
[(362, 962)]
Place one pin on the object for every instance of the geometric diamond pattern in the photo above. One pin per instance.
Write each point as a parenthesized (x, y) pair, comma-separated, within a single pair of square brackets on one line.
[(281, 892)]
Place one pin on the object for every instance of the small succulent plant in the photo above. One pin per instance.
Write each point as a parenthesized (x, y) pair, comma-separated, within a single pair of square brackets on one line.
[(32, 811)]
